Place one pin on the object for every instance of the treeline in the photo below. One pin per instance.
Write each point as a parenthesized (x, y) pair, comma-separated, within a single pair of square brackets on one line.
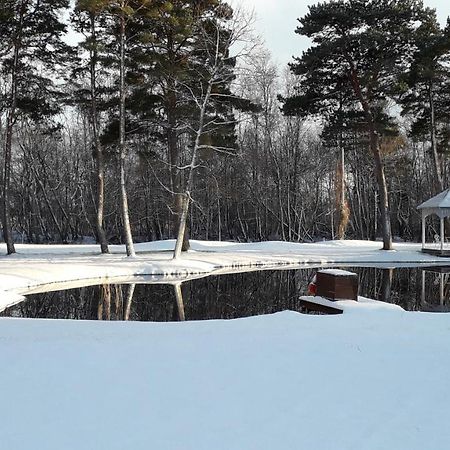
[(150, 128)]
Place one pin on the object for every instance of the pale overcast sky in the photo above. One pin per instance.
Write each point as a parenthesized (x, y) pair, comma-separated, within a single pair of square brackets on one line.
[(276, 21)]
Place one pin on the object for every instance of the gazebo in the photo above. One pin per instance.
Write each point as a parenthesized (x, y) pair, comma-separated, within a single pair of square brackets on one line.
[(439, 205)]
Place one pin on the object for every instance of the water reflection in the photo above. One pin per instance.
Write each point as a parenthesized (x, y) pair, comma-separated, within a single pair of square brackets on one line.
[(130, 293), (436, 279), (180, 303), (387, 276), (231, 296)]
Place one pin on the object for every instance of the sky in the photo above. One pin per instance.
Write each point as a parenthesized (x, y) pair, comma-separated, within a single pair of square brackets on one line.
[(276, 21)]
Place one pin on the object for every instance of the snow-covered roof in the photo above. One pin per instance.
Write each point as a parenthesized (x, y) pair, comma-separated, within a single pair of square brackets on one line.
[(338, 272), (439, 201)]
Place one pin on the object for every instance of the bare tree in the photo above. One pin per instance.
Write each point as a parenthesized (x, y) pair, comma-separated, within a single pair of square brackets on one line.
[(216, 38)]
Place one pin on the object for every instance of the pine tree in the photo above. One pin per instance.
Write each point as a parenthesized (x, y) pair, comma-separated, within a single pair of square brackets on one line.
[(89, 19), (122, 14), (424, 89), (31, 49), (168, 62), (365, 45), (172, 72)]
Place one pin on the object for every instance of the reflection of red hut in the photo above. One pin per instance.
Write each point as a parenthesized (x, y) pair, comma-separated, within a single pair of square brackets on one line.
[(312, 287), (440, 206)]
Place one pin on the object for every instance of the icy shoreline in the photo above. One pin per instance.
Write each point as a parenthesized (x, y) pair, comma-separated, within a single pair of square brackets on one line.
[(36, 268)]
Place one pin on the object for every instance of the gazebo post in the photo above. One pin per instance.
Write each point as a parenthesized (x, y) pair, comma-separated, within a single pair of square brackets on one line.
[(422, 297), (423, 229), (442, 233)]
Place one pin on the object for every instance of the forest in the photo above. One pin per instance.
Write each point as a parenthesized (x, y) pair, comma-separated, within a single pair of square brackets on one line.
[(169, 119)]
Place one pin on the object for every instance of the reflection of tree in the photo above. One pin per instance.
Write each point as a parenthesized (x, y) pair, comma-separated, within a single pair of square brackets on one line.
[(179, 300), (226, 297), (217, 297), (104, 302), (115, 294), (127, 309), (386, 284), (401, 287), (245, 294), (78, 303)]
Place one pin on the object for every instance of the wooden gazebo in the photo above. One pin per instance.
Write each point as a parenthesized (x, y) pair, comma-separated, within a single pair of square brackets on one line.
[(440, 206)]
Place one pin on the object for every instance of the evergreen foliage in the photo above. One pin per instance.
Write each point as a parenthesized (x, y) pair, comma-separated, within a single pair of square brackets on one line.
[(151, 109), (360, 47), (32, 54)]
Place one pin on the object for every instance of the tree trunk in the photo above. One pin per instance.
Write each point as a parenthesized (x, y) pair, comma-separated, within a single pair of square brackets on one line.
[(7, 154), (190, 180), (174, 158), (340, 196), (122, 147), (439, 182), (7, 233), (379, 169), (182, 225), (383, 192), (100, 166)]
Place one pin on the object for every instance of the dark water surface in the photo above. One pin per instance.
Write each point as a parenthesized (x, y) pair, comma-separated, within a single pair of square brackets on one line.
[(230, 296)]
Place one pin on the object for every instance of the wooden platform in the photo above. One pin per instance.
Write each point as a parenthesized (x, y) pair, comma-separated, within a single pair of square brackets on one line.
[(320, 305), (437, 252), (363, 305)]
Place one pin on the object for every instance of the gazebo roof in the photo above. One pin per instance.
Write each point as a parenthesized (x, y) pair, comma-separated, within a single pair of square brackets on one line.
[(439, 201)]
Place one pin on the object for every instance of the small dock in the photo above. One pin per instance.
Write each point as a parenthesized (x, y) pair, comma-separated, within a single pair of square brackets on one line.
[(336, 292), (437, 251), (322, 305)]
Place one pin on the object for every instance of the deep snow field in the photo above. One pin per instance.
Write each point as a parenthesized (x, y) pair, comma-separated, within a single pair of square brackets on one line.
[(376, 377)]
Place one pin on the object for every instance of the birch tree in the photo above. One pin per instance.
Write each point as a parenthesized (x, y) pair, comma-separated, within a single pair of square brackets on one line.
[(210, 96)]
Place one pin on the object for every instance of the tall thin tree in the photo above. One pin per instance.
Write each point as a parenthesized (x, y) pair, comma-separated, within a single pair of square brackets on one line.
[(31, 48)]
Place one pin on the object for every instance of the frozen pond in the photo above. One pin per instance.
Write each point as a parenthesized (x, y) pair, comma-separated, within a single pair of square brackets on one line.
[(230, 296)]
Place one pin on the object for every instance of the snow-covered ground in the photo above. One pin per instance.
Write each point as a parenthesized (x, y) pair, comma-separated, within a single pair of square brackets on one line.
[(42, 267), (364, 380), (376, 377)]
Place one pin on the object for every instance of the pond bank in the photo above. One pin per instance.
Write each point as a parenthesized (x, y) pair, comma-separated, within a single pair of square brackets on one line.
[(38, 267)]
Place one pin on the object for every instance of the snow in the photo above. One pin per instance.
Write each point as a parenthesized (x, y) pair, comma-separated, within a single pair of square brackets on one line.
[(376, 377), (363, 305), (284, 381), (337, 272)]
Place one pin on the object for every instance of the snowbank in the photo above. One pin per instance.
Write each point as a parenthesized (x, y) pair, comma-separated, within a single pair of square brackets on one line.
[(284, 382)]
